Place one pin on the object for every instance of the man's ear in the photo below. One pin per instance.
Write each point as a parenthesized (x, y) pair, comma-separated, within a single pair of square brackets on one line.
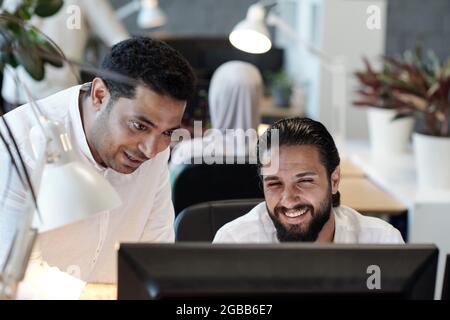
[(99, 94), (335, 179)]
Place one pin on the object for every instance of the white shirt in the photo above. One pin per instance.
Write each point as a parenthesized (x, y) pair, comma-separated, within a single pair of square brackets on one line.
[(69, 28), (87, 248), (350, 227)]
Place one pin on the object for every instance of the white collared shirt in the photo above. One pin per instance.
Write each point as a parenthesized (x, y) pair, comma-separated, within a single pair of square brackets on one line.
[(87, 248), (350, 227)]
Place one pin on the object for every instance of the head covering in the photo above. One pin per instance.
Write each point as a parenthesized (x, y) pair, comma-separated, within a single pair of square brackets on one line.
[(235, 95)]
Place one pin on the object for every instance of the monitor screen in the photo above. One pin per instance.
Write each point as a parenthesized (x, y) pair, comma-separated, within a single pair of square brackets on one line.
[(208, 271), (446, 285)]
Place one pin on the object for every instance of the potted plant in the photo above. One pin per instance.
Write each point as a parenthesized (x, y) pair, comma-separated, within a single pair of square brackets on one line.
[(281, 88), (389, 134), (23, 44), (422, 89)]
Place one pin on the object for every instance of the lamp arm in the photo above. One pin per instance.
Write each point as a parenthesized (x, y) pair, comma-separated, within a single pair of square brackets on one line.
[(275, 20), (128, 9), (18, 256)]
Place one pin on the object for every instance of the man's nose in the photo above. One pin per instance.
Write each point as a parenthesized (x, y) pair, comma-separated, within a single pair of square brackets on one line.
[(149, 147), (290, 197)]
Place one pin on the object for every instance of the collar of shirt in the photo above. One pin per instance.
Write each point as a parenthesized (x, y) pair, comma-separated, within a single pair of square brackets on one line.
[(77, 123)]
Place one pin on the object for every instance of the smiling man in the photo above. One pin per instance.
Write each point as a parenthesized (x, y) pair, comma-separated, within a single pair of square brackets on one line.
[(302, 198), (123, 130)]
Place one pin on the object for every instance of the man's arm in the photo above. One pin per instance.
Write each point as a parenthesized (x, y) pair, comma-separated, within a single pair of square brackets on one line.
[(159, 226)]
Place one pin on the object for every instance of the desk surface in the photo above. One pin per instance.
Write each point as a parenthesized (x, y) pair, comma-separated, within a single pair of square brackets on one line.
[(99, 291), (364, 196), (349, 169)]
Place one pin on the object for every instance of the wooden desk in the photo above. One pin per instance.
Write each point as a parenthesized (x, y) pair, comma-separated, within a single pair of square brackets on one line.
[(364, 196), (349, 169), (99, 291)]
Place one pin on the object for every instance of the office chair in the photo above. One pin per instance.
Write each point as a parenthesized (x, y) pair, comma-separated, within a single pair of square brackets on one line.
[(197, 183), (201, 222)]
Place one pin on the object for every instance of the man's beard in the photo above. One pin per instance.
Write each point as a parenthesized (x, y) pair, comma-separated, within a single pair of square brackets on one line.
[(302, 232)]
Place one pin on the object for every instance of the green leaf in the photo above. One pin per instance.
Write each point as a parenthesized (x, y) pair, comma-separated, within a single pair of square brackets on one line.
[(5, 43), (50, 54), (47, 8), (45, 49), (8, 58), (434, 63), (24, 13), (26, 55), (399, 116)]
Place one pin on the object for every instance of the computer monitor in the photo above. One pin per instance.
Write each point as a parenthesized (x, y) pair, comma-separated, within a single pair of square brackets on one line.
[(205, 271), (446, 285)]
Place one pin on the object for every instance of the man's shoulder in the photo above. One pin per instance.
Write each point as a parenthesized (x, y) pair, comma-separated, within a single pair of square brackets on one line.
[(245, 227), (54, 107), (366, 228)]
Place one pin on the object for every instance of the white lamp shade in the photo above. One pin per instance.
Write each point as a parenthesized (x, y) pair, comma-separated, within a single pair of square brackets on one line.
[(71, 192), (250, 40), (150, 15), (251, 35)]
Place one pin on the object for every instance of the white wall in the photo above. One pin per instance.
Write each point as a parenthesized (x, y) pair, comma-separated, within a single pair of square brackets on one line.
[(341, 32)]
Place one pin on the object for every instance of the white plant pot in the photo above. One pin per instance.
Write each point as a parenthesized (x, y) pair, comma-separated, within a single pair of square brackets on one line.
[(432, 156), (388, 137)]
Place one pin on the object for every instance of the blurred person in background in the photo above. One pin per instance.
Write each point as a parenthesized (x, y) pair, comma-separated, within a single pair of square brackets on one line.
[(235, 96)]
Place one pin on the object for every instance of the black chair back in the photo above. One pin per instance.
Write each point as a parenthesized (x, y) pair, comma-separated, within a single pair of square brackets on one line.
[(197, 183), (201, 222)]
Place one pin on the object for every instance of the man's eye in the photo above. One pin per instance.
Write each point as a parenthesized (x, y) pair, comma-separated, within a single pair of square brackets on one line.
[(305, 181), (138, 126), (274, 184), (168, 133)]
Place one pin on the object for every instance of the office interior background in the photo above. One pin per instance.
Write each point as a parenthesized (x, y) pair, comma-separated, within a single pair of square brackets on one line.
[(385, 174)]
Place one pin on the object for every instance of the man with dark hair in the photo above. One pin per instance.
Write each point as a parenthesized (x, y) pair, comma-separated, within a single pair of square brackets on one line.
[(301, 195), (121, 125)]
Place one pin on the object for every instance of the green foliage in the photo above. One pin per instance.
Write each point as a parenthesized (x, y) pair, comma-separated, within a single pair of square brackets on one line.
[(23, 44), (280, 81), (47, 8)]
